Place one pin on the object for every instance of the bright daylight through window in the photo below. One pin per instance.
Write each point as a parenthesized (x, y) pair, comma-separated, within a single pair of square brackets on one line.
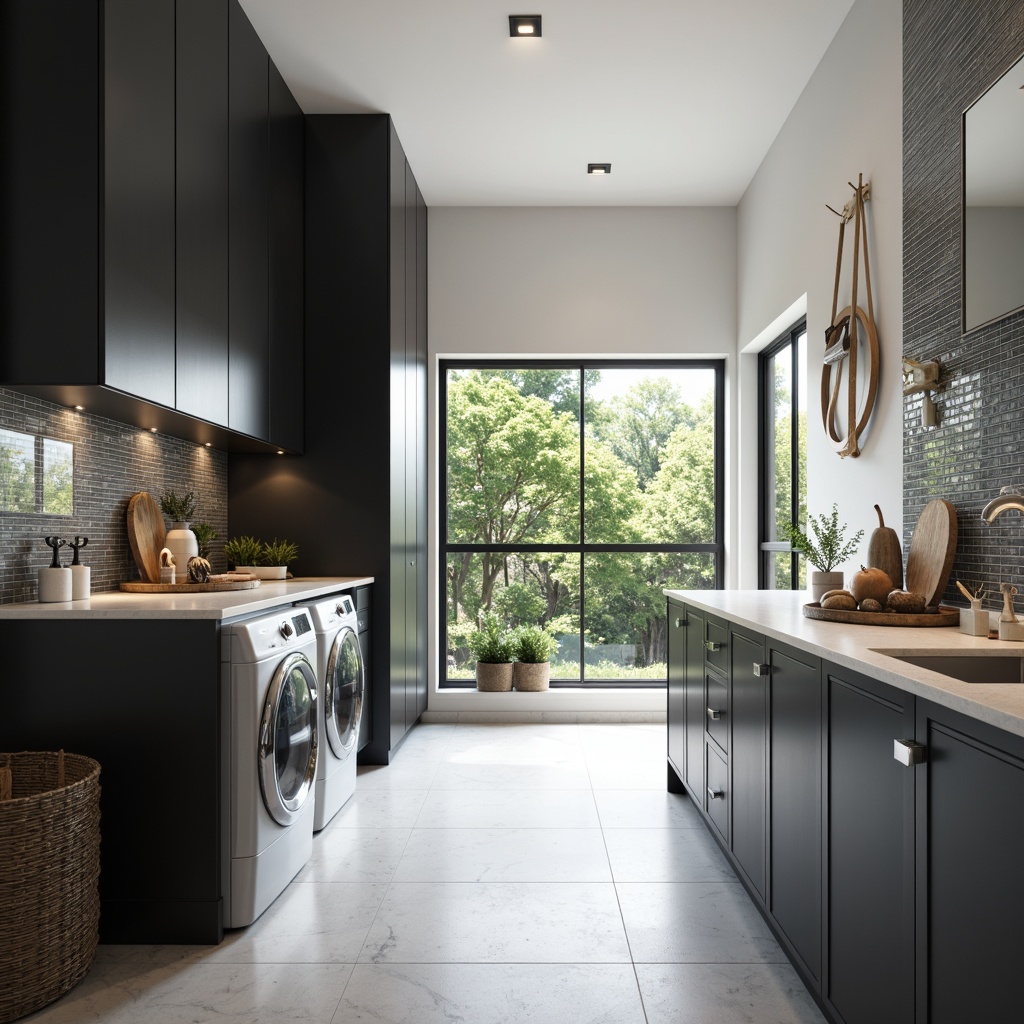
[(574, 493)]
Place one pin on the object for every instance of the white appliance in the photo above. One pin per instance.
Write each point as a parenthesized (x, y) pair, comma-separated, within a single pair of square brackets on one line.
[(271, 751), (342, 684)]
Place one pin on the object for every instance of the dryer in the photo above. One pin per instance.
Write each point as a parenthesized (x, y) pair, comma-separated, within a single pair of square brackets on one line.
[(342, 685), (271, 756)]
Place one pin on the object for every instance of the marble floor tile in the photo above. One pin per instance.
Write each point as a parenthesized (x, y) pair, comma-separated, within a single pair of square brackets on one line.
[(492, 994), (402, 774), (511, 775), (666, 855), (725, 994), (504, 855), (497, 922), (520, 744), (538, 808), (311, 922), (645, 808), (616, 774), (380, 808), (355, 855), (133, 993), (694, 922)]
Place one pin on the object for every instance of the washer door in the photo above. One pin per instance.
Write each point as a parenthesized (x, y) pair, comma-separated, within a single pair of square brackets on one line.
[(344, 698), (288, 740)]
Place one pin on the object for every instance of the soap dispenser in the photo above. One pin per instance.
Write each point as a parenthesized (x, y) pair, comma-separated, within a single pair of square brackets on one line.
[(80, 574), (55, 581)]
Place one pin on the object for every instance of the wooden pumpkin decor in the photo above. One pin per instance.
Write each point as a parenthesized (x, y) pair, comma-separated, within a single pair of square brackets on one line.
[(885, 552), (849, 329)]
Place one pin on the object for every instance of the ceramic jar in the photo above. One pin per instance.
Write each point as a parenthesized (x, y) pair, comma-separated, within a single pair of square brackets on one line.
[(183, 544)]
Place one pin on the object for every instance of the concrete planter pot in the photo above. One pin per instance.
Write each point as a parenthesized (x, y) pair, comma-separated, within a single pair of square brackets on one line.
[(531, 676), (822, 582), (494, 677)]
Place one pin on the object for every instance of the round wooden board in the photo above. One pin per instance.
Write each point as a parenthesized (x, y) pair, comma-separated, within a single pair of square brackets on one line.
[(137, 587), (930, 555), (943, 616), (146, 532)]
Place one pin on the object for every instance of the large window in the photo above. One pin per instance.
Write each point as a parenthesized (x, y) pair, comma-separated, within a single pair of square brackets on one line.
[(783, 460), (573, 493)]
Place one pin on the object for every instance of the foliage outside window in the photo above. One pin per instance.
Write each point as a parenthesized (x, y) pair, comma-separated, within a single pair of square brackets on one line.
[(574, 493), (36, 474), (783, 458)]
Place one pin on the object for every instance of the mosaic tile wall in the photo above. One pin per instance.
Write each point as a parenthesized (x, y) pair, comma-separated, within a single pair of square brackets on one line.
[(952, 52), (113, 461)]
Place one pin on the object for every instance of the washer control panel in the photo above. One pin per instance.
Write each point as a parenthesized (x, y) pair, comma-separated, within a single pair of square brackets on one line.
[(280, 631)]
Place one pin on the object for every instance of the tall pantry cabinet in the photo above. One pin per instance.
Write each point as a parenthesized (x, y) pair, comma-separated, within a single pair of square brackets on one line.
[(355, 502)]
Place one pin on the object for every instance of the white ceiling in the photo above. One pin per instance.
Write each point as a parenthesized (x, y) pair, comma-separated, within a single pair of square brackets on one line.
[(683, 97)]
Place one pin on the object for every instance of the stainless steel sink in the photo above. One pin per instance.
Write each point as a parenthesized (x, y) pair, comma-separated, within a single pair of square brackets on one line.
[(968, 668)]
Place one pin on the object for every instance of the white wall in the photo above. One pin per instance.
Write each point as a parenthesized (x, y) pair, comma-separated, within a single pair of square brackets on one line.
[(847, 121)]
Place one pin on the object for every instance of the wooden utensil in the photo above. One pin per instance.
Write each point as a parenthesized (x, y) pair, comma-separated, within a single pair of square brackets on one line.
[(146, 532), (930, 556)]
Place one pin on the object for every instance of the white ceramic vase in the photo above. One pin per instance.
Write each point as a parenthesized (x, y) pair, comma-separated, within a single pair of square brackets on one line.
[(822, 582), (183, 544)]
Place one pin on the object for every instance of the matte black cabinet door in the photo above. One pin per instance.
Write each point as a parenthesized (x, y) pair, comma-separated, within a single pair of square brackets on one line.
[(970, 901), (676, 715), (202, 210), (795, 801), (696, 705), (748, 756), (248, 368), (870, 852), (138, 198), (286, 330)]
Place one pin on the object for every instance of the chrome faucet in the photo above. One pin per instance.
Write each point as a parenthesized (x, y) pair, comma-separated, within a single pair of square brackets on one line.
[(1009, 498)]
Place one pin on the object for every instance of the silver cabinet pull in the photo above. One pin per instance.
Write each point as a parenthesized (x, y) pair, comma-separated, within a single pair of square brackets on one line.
[(760, 669), (715, 794), (714, 714), (712, 645), (908, 752), (680, 621)]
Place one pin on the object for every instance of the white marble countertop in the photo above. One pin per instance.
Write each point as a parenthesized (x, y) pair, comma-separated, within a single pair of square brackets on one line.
[(221, 605), (870, 649)]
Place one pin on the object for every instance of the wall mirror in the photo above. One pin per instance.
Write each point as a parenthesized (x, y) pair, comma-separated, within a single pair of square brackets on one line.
[(993, 264), (37, 474)]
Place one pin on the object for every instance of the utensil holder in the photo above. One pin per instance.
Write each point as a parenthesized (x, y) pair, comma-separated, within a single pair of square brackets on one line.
[(55, 585), (81, 582), (974, 620)]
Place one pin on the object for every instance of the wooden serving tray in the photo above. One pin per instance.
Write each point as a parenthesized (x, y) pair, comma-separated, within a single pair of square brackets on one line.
[(942, 616), (137, 587)]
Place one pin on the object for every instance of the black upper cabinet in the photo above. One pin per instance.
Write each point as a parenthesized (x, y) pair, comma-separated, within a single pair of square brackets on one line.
[(248, 165), (137, 156), (202, 210)]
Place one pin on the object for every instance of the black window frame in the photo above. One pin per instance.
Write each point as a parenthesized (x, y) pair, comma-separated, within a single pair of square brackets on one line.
[(717, 547), (767, 549)]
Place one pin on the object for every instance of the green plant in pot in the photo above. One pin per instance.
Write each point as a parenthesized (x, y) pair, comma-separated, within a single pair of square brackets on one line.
[(205, 536), (533, 649), (243, 553), (181, 510), (493, 646), (828, 548)]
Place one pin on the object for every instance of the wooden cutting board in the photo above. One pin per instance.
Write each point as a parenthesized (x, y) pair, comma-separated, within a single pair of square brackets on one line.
[(146, 532), (930, 556)]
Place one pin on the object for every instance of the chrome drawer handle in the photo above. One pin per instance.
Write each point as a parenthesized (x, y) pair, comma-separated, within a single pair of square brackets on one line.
[(760, 669), (908, 752), (714, 714), (712, 645), (715, 794)]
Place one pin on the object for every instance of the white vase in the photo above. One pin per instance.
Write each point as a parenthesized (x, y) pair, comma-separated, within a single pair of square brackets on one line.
[(183, 544), (822, 582)]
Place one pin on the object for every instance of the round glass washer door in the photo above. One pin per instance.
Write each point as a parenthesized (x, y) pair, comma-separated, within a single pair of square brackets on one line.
[(345, 680), (288, 740)]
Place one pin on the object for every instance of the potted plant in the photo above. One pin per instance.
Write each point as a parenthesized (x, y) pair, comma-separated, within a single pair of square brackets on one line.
[(828, 549), (181, 510), (533, 649), (205, 536), (275, 557), (243, 553), (494, 648)]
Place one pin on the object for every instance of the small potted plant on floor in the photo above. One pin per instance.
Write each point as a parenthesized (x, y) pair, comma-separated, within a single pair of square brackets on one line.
[(275, 557), (828, 549), (533, 649), (493, 646)]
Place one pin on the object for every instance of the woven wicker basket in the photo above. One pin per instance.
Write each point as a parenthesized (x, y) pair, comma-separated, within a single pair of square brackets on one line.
[(49, 872)]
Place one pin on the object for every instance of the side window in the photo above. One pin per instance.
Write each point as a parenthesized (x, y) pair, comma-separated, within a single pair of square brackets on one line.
[(783, 457)]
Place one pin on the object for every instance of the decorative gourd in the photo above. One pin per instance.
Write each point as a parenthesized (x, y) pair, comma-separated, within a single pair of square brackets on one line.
[(904, 601), (869, 604), (885, 553), (874, 584), (198, 570), (836, 593), (839, 602)]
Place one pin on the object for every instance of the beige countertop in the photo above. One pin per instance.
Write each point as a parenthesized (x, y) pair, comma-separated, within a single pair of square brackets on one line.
[(221, 605), (870, 649)]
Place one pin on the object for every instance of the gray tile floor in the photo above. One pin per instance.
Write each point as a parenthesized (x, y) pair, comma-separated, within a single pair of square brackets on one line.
[(492, 874)]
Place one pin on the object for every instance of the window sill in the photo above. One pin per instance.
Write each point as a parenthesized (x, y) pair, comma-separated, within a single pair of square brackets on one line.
[(561, 704)]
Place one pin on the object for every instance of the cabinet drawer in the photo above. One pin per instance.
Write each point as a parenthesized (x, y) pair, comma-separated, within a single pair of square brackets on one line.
[(716, 710), (716, 799), (716, 646)]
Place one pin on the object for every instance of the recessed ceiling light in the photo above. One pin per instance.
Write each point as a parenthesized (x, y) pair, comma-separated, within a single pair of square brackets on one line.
[(520, 25), (152, 430), (79, 408), (599, 168), (208, 444), (280, 451)]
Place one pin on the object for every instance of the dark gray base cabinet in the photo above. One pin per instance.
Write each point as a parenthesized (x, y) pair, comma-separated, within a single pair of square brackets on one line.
[(894, 888)]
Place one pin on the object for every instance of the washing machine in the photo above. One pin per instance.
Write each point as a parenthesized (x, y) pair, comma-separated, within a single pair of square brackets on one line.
[(271, 754), (342, 683)]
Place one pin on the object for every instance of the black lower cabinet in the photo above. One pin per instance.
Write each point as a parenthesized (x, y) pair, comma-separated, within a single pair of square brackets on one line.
[(794, 739), (869, 975), (970, 842), (676, 694), (695, 704)]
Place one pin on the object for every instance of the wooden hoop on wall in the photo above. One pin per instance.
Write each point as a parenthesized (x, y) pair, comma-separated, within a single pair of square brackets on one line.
[(831, 384)]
